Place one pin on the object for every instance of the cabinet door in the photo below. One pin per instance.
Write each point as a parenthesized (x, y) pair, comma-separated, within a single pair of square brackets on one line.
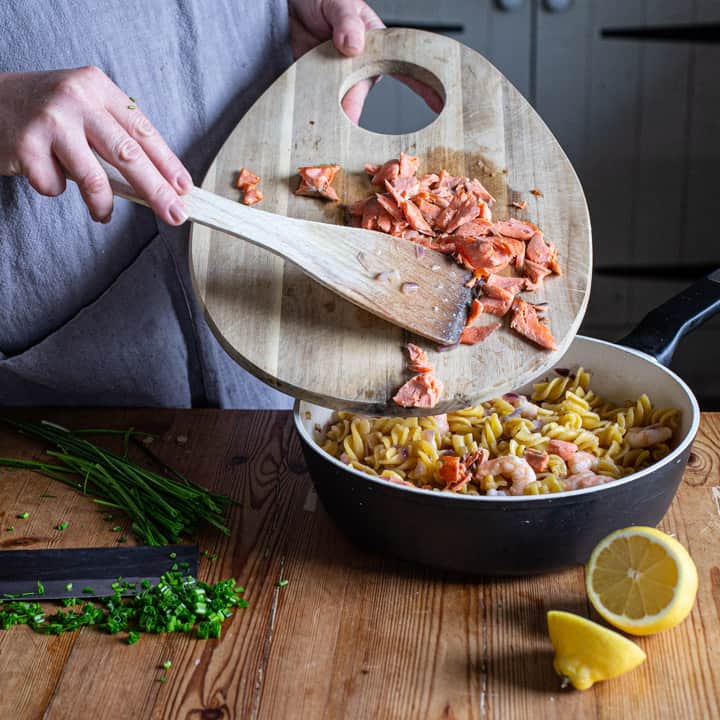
[(503, 37), (640, 120)]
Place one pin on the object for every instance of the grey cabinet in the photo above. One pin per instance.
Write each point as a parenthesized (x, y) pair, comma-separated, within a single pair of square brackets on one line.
[(641, 123)]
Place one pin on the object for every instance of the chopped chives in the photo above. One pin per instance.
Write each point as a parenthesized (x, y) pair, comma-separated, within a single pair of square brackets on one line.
[(283, 583), (88, 590), (23, 515), (173, 555), (167, 664), (40, 588), (68, 587), (62, 526)]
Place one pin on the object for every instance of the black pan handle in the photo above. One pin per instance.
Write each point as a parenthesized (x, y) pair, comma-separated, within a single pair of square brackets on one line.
[(661, 329)]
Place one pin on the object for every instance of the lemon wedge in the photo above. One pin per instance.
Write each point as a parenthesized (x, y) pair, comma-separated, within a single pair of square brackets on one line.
[(586, 652), (641, 580)]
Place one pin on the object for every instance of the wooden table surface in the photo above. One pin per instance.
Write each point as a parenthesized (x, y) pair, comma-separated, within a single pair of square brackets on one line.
[(352, 635)]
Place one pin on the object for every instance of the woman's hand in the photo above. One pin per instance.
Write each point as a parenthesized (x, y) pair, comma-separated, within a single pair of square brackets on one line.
[(50, 123), (345, 21)]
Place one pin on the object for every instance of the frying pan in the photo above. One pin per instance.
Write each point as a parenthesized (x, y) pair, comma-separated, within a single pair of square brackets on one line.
[(535, 533)]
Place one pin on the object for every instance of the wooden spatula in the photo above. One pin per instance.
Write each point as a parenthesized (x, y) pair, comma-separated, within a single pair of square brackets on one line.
[(387, 276)]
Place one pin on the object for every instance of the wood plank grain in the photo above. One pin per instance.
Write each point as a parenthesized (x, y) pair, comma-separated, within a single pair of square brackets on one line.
[(242, 454), (376, 638), (353, 359), (353, 634)]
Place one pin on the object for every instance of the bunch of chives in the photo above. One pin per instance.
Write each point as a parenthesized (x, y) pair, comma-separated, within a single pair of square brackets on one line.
[(161, 508)]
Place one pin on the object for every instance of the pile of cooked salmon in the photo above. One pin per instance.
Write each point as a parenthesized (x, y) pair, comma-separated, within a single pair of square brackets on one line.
[(453, 215)]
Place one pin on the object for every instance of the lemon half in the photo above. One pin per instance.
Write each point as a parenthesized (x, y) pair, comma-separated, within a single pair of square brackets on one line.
[(586, 652), (641, 580)]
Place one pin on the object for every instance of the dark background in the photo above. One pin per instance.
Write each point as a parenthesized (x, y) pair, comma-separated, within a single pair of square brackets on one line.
[(640, 121)]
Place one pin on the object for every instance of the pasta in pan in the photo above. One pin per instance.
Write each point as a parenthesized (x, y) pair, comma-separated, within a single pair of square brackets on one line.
[(563, 437)]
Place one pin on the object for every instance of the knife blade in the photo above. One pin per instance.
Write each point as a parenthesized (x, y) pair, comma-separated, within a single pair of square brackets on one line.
[(87, 572)]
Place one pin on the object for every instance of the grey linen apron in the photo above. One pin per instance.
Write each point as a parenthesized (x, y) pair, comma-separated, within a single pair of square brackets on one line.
[(104, 314)]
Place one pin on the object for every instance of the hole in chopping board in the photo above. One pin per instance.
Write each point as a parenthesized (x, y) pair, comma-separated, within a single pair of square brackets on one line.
[(393, 106)]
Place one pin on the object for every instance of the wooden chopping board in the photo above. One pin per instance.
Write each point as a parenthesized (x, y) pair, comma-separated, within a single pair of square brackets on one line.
[(304, 340)]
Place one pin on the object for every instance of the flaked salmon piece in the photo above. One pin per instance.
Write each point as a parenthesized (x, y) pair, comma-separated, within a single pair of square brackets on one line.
[(477, 333), (415, 218), (389, 171), (516, 248), (408, 165), (536, 273), (389, 205), (477, 188), (479, 227), (513, 228), (403, 188), (429, 210), (245, 178), (562, 448), (251, 195), (418, 361), (498, 292), (485, 212), (483, 253), (448, 181), (536, 192), (446, 248), (538, 460), (526, 322), (358, 207), (519, 204), (400, 228), (464, 210), (371, 213), (514, 285), (440, 200), (543, 252), (371, 169), (426, 181), (420, 391), (315, 181), (476, 308), (454, 473), (384, 221), (496, 306)]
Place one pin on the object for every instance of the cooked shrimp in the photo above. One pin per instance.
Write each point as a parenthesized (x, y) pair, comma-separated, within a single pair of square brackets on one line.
[(583, 479), (642, 437), (581, 462), (515, 469)]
